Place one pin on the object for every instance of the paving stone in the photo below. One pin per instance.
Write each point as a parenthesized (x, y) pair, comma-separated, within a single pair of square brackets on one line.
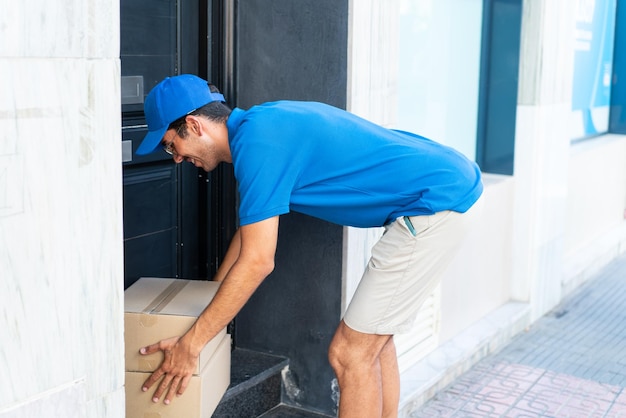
[(571, 363)]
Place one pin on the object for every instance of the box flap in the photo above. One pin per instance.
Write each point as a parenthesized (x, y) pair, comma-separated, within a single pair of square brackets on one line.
[(192, 299), (138, 296), (166, 296)]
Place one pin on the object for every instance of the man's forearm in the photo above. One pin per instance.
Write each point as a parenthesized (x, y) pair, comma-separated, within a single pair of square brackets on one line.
[(240, 283), (254, 260), (232, 254), (251, 259)]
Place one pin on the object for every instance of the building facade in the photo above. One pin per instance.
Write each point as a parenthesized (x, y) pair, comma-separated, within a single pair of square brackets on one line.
[(532, 90)]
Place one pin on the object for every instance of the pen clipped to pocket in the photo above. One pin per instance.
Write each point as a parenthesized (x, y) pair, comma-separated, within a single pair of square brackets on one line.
[(409, 225)]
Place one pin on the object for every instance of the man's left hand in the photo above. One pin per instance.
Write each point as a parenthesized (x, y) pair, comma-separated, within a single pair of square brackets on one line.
[(176, 369)]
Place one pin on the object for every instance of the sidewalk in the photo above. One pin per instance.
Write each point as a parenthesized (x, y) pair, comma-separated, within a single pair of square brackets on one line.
[(570, 363)]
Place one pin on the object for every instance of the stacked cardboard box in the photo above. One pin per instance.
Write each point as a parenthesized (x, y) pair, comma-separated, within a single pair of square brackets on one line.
[(156, 309)]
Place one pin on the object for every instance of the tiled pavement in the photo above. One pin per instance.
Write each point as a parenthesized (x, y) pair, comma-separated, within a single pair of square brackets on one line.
[(570, 364)]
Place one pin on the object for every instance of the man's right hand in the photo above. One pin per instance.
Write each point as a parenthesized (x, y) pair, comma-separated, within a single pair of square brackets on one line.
[(176, 369)]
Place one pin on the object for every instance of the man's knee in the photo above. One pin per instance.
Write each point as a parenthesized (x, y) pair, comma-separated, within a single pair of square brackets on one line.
[(350, 349), (335, 356), (339, 353)]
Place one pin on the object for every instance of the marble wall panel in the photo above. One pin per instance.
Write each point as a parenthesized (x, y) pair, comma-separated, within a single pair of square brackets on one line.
[(542, 147), (69, 28), (65, 401), (547, 52), (541, 171), (373, 60), (110, 405), (60, 230)]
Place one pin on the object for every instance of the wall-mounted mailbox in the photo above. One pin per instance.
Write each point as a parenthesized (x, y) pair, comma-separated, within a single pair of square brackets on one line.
[(132, 89)]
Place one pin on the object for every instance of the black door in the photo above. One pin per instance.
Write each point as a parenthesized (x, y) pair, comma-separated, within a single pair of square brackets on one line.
[(166, 205)]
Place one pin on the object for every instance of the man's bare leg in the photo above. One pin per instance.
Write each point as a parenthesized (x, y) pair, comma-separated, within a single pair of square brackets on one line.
[(391, 379), (356, 359)]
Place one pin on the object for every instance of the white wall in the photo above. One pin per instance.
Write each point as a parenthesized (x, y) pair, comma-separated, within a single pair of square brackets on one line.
[(61, 261), (570, 198), (595, 230), (542, 153), (596, 202), (478, 280)]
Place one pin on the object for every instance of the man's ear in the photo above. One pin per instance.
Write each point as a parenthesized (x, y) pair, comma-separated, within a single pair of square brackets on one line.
[(193, 124)]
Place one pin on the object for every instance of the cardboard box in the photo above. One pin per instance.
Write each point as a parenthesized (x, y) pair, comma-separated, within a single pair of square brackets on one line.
[(200, 398), (156, 309)]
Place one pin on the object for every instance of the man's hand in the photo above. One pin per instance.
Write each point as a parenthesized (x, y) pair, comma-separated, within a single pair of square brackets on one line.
[(176, 369), (250, 260)]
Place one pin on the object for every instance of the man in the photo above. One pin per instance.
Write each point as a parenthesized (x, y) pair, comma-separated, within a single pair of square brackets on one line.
[(322, 161)]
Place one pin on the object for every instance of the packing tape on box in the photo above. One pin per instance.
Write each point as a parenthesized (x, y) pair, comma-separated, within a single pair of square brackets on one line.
[(163, 298), (149, 364), (147, 320)]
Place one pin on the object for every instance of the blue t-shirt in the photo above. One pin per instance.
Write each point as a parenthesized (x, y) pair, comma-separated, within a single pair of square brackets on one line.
[(328, 163)]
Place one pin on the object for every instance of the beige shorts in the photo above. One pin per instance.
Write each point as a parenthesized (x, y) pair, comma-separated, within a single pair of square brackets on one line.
[(406, 265)]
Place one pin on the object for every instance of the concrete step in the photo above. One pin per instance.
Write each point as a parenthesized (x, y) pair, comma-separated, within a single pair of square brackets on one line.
[(255, 389), (286, 411), (255, 384)]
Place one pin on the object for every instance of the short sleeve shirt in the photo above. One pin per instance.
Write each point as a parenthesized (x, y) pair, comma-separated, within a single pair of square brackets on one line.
[(325, 162)]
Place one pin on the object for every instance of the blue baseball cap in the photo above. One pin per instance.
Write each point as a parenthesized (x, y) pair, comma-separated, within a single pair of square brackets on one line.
[(171, 99)]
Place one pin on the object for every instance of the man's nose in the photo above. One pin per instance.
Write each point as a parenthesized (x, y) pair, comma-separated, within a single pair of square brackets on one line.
[(177, 158)]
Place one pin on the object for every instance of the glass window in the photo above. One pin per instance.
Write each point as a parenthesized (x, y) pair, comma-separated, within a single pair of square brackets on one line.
[(439, 69), (617, 118), (593, 61)]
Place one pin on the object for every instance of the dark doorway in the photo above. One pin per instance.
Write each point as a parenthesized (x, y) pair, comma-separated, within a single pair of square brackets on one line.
[(168, 210)]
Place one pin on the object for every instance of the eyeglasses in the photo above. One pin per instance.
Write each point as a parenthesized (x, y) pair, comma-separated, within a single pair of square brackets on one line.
[(180, 131), (169, 148)]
